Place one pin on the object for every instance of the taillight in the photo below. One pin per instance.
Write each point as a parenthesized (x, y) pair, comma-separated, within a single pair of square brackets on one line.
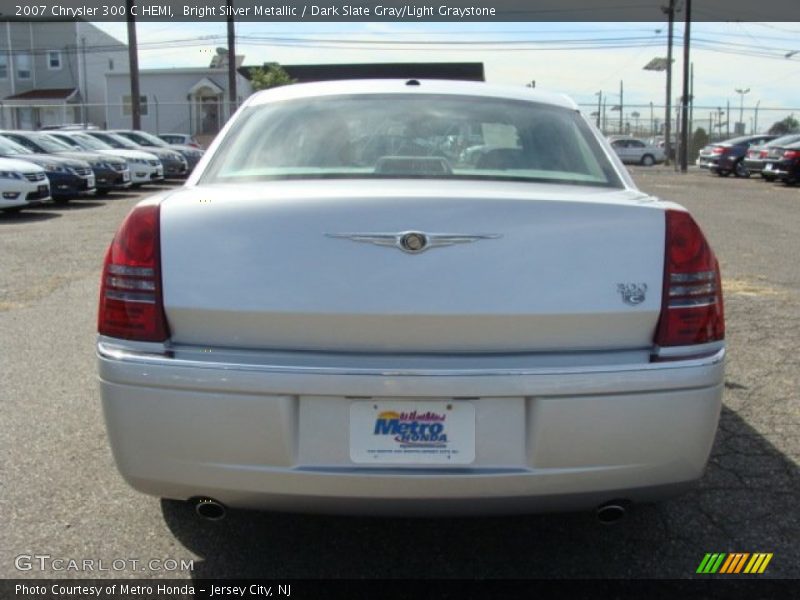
[(719, 150), (763, 154), (691, 306), (131, 303), (792, 154)]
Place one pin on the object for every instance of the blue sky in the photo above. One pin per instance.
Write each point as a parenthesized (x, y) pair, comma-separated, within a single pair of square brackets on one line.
[(576, 58)]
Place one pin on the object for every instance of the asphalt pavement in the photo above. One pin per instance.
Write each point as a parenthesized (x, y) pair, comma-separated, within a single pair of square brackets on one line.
[(61, 496)]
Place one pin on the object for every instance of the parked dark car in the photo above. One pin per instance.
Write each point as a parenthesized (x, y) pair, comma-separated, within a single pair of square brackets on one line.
[(174, 164), (68, 177), (183, 139), (724, 158), (758, 156), (148, 142), (786, 167), (109, 173)]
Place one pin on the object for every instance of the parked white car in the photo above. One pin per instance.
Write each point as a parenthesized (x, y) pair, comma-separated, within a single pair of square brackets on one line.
[(144, 166), (22, 184), (338, 314), (637, 152)]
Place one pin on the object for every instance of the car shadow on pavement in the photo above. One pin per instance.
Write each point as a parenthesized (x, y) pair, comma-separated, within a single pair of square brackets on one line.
[(747, 502), (73, 205), (25, 216)]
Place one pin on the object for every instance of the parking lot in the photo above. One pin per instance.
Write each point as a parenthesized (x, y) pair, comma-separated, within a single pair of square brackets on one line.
[(61, 495)]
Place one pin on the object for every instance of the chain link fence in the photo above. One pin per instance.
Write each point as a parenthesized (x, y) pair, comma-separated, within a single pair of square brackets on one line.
[(204, 117)]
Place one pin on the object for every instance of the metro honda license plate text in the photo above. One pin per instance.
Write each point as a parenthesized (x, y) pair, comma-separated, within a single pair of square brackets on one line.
[(412, 432)]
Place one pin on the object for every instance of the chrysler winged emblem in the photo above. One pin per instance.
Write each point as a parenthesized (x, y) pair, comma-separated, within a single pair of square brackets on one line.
[(414, 242), (632, 293)]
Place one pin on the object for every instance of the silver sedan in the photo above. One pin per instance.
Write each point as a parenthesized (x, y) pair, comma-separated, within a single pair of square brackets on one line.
[(340, 313)]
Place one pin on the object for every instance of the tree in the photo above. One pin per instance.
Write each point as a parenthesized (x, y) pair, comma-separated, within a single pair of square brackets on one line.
[(269, 76), (787, 125), (699, 141)]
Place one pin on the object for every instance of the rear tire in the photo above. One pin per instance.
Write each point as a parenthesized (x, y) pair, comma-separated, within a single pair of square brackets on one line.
[(648, 160), (739, 170)]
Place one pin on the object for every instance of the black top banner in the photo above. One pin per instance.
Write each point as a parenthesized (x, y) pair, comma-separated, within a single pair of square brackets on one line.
[(395, 11)]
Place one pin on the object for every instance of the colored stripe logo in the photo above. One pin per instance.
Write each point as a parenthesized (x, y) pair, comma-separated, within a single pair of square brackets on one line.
[(734, 563)]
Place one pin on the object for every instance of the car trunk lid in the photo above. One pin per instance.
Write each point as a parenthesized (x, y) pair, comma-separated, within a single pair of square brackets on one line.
[(299, 266)]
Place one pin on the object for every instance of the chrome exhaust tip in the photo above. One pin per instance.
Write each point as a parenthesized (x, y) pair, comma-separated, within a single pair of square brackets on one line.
[(209, 509), (611, 512)]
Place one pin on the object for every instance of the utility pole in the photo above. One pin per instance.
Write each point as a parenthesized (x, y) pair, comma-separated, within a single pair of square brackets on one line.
[(231, 62), (621, 106), (670, 10), (691, 99), (685, 100), (133, 60)]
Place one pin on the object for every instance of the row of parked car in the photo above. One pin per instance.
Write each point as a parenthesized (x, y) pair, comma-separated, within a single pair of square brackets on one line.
[(62, 164), (775, 158)]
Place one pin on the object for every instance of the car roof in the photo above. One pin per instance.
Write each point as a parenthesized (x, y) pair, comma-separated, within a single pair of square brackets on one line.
[(789, 138), (408, 86)]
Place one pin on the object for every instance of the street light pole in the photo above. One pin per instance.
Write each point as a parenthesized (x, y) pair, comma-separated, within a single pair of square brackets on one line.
[(755, 120), (741, 93)]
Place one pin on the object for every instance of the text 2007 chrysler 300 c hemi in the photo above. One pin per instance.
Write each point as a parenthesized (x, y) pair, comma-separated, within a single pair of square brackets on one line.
[(412, 297)]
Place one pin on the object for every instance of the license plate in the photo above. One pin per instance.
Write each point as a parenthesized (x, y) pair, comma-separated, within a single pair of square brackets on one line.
[(126, 176), (43, 189), (90, 181), (768, 167), (412, 432)]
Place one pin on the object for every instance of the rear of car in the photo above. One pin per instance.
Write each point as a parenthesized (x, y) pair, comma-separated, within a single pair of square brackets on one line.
[(783, 163), (341, 313), (728, 157), (22, 185), (759, 156)]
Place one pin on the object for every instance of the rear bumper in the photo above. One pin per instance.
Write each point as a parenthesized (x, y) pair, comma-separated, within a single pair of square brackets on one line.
[(784, 170), (270, 434), (754, 165)]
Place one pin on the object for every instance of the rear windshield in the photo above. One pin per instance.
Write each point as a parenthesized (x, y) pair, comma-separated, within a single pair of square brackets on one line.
[(411, 136)]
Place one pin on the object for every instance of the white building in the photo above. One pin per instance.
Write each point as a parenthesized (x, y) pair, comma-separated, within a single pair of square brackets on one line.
[(186, 100)]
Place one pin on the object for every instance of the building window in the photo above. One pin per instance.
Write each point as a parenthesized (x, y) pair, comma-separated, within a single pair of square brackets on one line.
[(53, 60), (3, 65), (110, 64), (23, 60), (126, 105)]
